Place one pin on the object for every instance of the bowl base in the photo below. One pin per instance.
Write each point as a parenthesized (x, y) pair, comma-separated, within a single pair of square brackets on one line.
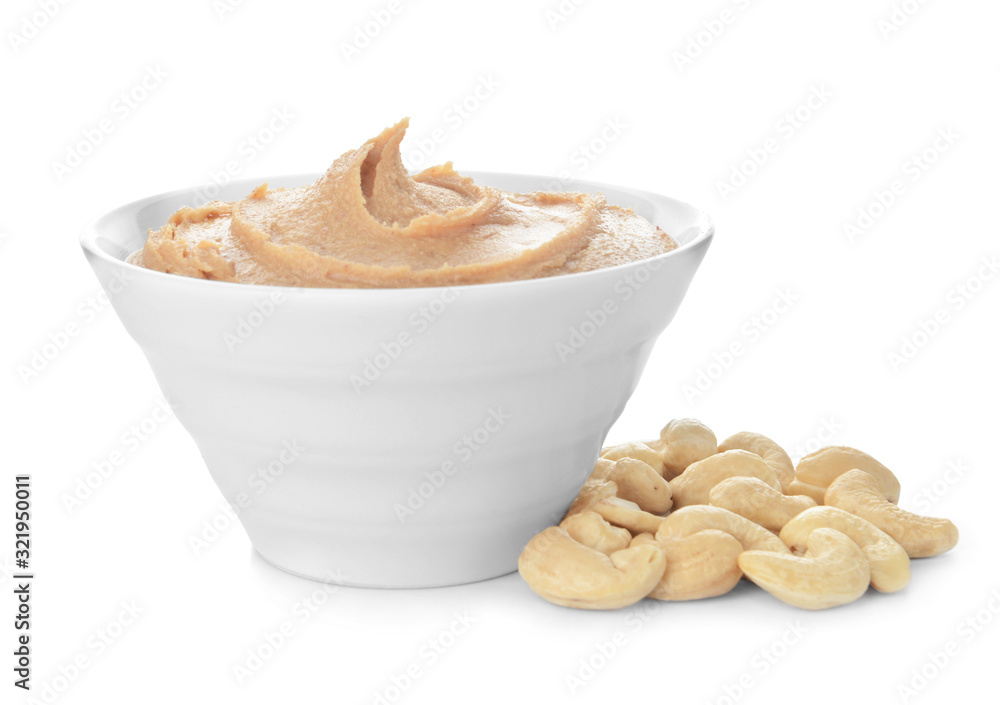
[(396, 583)]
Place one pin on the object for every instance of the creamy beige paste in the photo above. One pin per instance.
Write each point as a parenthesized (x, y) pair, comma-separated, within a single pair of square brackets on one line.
[(367, 223)]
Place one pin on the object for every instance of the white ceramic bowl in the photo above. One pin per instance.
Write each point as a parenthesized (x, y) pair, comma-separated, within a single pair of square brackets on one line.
[(355, 455)]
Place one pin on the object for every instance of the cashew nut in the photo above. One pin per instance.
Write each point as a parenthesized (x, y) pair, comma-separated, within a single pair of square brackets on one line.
[(690, 520), (601, 469), (890, 566), (835, 514), (567, 573), (797, 487), (827, 464), (858, 492), (593, 491), (758, 502), (685, 441), (694, 484), (622, 512), (639, 451), (701, 565), (656, 444), (644, 537), (772, 454), (833, 571), (639, 483), (590, 529)]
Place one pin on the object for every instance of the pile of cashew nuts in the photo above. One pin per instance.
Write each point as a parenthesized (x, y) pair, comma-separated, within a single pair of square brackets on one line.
[(685, 517)]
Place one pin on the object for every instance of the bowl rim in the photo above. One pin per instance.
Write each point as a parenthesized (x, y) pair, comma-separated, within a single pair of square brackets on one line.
[(91, 232)]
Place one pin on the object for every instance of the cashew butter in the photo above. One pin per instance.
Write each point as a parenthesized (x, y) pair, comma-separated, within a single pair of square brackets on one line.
[(367, 223)]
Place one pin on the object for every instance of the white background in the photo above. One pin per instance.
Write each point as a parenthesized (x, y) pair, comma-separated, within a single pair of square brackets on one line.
[(820, 371)]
